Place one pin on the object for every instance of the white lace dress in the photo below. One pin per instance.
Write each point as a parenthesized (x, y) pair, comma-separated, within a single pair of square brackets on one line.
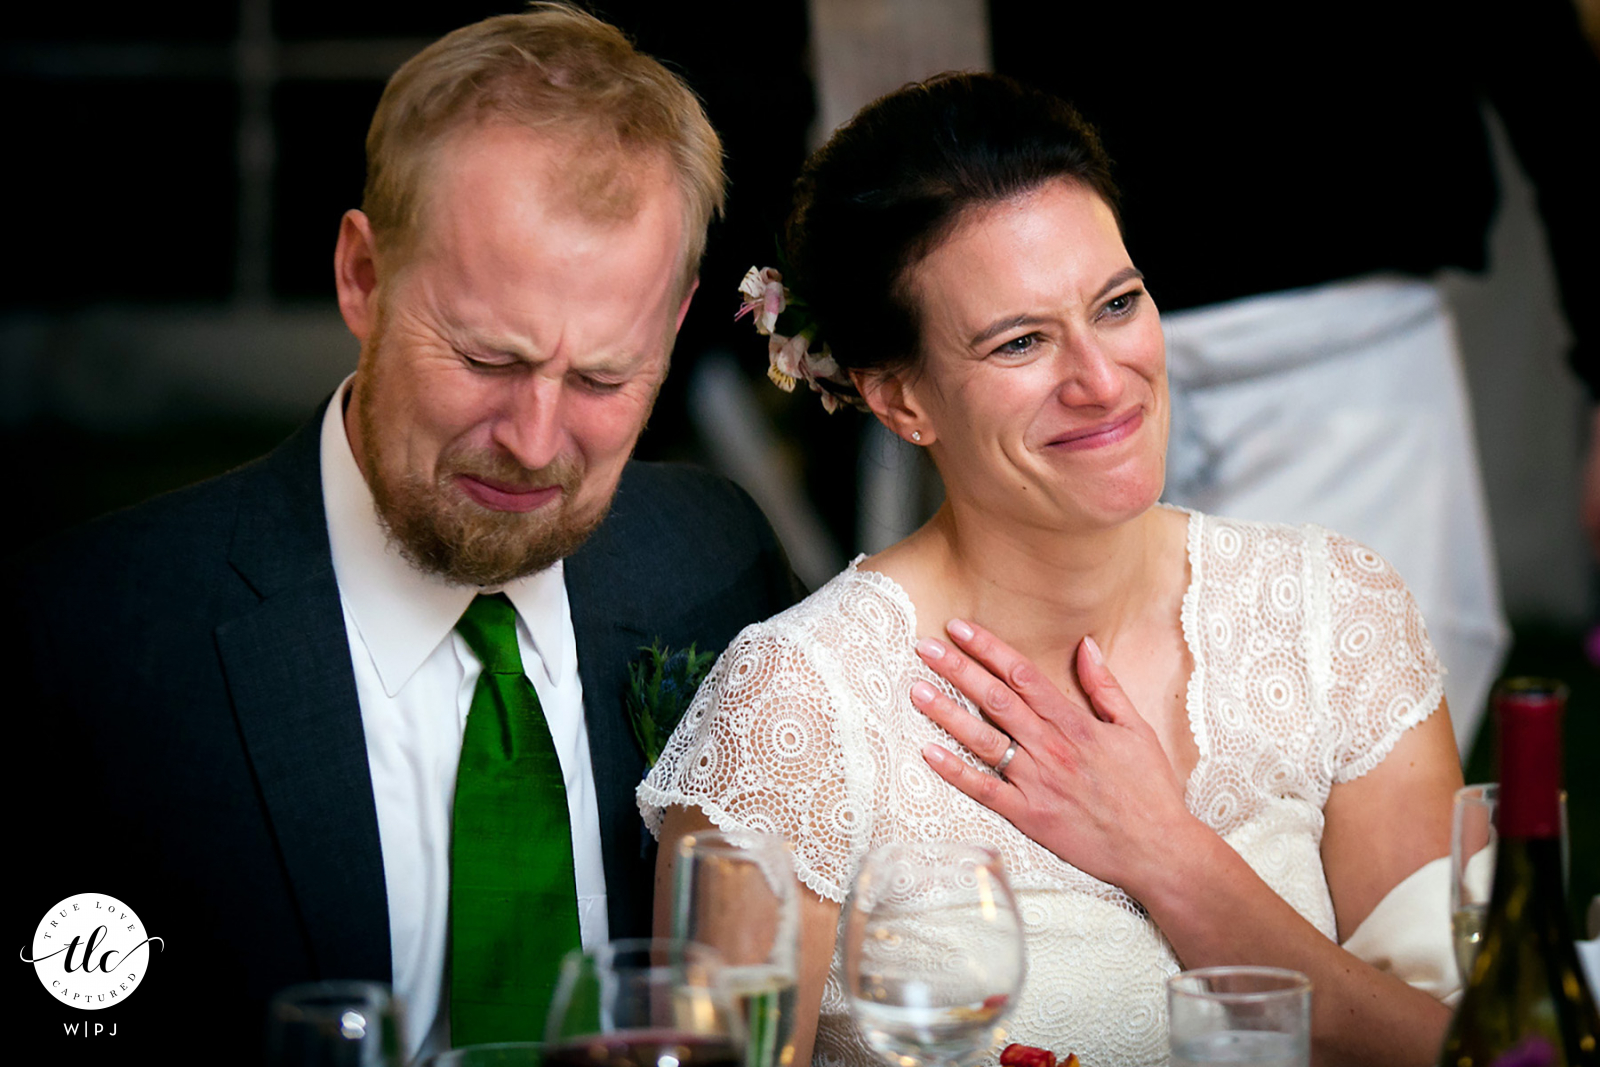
[(1310, 660)]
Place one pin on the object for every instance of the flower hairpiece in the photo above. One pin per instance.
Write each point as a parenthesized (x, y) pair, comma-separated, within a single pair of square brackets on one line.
[(794, 356)]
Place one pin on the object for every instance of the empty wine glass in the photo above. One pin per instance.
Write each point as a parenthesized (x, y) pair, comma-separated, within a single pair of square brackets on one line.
[(334, 1024), (643, 1003), (1472, 841), (1472, 850), (933, 951), (736, 892)]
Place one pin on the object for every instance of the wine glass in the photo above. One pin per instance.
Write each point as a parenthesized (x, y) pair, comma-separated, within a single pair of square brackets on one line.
[(1472, 841), (500, 1054), (643, 1003), (334, 1024), (736, 892), (1472, 850), (933, 951)]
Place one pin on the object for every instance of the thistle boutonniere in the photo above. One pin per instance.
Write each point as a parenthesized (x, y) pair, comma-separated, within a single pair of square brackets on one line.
[(660, 686)]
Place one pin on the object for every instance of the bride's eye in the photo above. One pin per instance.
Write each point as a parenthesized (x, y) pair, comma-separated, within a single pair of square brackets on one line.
[(1018, 346), (1124, 304)]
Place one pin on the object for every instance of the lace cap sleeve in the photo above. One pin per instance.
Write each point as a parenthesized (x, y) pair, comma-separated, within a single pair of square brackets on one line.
[(1385, 677), (760, 749)]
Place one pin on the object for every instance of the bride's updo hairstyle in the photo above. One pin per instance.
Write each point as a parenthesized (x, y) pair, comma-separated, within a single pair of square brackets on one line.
[(894, 181)]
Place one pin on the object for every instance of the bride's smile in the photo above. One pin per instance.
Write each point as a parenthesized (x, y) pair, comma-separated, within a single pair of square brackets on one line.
[(1043, 380)]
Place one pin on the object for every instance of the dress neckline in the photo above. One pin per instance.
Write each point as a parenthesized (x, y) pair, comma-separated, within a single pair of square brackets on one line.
[(1187, 618)]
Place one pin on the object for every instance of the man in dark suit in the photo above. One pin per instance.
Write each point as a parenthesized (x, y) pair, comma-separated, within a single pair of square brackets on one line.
[(253, 688)]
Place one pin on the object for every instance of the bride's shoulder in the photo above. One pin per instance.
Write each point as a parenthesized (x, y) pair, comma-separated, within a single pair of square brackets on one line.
[(1232, 536), (857, 605), (1332, 556), (858, 625)]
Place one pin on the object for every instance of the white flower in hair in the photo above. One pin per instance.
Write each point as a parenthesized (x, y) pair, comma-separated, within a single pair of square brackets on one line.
[(791, 359), (820, 364), (786, 357), (765, 296)]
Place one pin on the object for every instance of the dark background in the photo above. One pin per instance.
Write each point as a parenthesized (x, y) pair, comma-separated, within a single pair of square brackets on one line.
[(169, 161), (177, 158)]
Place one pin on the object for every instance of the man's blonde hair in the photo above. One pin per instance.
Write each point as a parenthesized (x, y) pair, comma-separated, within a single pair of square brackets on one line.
[(552, 69)]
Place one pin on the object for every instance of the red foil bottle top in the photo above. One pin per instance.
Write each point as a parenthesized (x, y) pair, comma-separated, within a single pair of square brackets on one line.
[(1530, 712)]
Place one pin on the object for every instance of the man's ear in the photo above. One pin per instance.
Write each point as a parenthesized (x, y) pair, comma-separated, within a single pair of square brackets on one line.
[(896, 405), (355, 273), (683, 308)]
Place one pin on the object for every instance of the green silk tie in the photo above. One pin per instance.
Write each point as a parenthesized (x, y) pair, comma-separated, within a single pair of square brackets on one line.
[(513, 894)]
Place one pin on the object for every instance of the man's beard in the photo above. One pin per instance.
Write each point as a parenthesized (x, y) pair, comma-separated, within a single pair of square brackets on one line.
[(439, 529)]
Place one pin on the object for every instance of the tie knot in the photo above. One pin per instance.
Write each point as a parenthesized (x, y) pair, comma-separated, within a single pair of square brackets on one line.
[(489, 626)]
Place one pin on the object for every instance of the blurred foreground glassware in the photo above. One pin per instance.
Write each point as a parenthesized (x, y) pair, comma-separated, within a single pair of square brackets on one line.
[(1526, 1000), (1260, 1016), (1472, 841), (505, 1054), (933, 951), (334, 1024), (659, 1002), (736, 893), (1472, 852)]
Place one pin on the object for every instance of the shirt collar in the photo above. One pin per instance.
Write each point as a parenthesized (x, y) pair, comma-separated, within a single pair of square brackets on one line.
[(404, 613)]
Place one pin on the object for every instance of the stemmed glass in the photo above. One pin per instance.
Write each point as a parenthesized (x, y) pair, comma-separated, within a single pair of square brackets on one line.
[(1473, 839), (736, 892), (334, 1024), (1472, 848), (933, 951), (643, 1003)]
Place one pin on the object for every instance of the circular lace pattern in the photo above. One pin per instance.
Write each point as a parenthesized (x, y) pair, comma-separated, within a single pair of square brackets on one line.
[(1310, 661)]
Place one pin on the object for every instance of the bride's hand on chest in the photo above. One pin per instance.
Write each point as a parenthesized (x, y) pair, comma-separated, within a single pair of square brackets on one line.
[(1092, 783)]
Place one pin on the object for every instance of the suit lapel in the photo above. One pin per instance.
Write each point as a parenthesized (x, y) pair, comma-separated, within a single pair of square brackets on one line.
[(608, 639), (287, 663)]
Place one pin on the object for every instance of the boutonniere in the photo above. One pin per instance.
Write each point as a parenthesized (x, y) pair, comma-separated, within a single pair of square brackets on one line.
[(660, 687)]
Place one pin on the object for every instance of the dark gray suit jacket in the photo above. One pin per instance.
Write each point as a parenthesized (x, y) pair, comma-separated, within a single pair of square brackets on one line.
[(186, 689)]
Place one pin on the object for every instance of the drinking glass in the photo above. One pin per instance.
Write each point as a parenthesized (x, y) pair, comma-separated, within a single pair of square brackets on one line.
[(334, 1024), (1472, 841), (643, 1003), (736, 893), (1259, 1016), (1472, 850), (503, 1054), (933, 951)]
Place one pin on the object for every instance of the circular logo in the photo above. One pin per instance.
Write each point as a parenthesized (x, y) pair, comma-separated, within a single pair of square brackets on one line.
[(91, 951)]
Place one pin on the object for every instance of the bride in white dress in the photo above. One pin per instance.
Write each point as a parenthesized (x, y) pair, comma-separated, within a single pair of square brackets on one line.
[(1193, 741)]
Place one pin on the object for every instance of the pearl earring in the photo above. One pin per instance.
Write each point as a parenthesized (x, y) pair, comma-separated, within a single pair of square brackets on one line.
[(916, 435)]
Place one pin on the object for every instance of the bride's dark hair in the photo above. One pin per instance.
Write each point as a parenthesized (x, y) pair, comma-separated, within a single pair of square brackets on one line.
[(893, 182)]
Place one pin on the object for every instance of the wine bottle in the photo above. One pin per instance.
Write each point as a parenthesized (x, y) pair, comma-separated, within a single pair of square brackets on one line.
[(1526, 1003)]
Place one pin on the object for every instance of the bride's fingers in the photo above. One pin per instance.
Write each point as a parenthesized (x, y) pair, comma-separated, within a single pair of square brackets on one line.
[(997, 700), (990, 790), (1017, 672), (1105, 693), (981, 739)]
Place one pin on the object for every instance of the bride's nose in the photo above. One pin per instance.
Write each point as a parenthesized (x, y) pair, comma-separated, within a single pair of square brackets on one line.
[(1089, 376)]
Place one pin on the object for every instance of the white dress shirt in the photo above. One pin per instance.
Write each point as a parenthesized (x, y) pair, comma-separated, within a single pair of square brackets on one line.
[(414, 679)]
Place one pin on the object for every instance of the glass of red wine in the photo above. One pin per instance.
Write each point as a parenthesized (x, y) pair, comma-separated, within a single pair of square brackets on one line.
[(658, 1002)]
